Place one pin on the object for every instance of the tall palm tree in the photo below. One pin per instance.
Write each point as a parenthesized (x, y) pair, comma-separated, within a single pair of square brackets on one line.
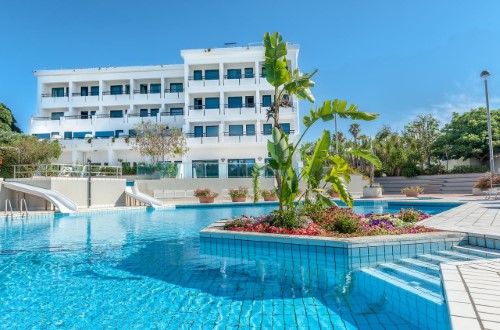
[(354, 129)]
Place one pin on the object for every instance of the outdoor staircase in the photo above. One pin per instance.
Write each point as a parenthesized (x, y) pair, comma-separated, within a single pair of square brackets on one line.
[(432, 184), (411, 287)]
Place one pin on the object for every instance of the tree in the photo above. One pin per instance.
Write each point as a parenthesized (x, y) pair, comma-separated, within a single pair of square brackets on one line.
[(354, 129), (466, 136), (7, 120), (158, 141), (392, 151), (421, 134)]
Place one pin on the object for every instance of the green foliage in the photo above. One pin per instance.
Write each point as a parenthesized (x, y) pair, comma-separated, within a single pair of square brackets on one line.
[(205, 192), (238, 192), (409, 215), (469, 169), (256, 174), (7, 120), (290, 218), (417, 189), (420, 135)]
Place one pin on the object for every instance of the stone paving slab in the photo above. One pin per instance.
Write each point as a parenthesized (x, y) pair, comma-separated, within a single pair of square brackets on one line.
[(472, 290)]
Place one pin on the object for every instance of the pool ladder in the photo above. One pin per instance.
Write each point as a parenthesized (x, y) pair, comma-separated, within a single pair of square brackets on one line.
[(8, 206), (23, 202)]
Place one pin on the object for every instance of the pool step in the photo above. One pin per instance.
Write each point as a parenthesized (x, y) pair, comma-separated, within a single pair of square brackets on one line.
[(413, 276), (477, 251), (458, 256), (420, 265)]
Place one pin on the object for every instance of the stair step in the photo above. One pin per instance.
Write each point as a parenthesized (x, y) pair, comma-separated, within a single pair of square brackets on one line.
[(419, 264), (477, 251), (458, 255), (412, 288), (436, 259), (431, 280)]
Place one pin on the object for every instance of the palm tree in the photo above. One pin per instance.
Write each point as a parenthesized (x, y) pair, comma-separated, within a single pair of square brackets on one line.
[(354, 129)]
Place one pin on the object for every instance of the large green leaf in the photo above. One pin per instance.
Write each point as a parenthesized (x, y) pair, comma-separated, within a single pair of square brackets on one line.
[(339, 177), (300, 85), (313, 168), (368, 155), (330, 109), (278, 147), (275, 59)]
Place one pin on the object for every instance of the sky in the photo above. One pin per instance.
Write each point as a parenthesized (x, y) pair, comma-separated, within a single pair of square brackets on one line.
[(396, 58)]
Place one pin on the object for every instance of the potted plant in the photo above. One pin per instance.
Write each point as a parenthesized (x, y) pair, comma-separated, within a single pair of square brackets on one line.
[(269, 195), (239, 194), (205, 195), (412, 191), (127, 140), (373, 190), (332, 193)]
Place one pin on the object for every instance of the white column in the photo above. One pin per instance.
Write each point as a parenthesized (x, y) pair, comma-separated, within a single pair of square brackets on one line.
[(162, 87), (221, 73), (221, 131), (111, 155), (74, 155), (257, 72), (222, 103)]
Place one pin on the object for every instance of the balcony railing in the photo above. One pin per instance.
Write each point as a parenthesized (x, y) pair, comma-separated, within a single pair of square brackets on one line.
[(147, 91), (116, 93), (174, 90), (85, 94), (240, 107), (239, 78), (169, 113), (202, 108), (56, 95), (240, 137), (203, 79), (65, 170)]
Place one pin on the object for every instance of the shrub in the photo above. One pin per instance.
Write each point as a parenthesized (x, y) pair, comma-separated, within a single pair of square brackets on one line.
[(418, 189), (469, 169), (268, 193), (483, 182), (335, 219), (331, 191), (433, 169), (205, 193), (409, 215), (410, 171), (238, 192), (290, 219)]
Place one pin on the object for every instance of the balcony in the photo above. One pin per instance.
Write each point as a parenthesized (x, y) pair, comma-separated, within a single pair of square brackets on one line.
[(174, 95), (241, 138), (146, 95), (240, 109), (239, 80), (116, 97), (194, 139), (44, 123), (203, 110), (84, 99), (203, 81), (50, 100)]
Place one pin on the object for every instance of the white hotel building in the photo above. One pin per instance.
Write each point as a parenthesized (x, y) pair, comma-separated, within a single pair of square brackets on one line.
[(218, 97)]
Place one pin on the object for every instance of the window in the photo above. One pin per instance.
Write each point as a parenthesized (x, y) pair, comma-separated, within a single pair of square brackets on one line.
[(94, 90), (143, 113), (211, 74), (176, 111), (104, 134), (268, 171), (143, 89), (286, 128), (205, 169), (155, 88), (92, 113), (81, 135), (249, 102), (212, 103), (197, 75), (116, 114), (84, 91), (263, 74), (84, 115), (44, 136), (68, 135), (240, 168), (176, 88), (132, 132), (127, 89), (198, 131), (198, 103), (234, 102), (268, 129), (248, 72), (266, 100), (116, 89), (154, 112), (212, 131), (235, 130), (58, 92), (233, 73), (118, 132), (56, 115), (250, 130)]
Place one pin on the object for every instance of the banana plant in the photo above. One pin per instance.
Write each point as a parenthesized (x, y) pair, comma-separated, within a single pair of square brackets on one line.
[(282, 153)]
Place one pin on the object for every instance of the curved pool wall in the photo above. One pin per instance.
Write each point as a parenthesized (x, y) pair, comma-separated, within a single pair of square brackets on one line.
[(144, 269)]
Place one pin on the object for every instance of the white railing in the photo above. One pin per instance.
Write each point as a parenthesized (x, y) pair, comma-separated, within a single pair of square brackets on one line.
[(65, 170)]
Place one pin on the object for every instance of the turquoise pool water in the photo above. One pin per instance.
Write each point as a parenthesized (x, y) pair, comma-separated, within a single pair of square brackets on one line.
[(147, 269)]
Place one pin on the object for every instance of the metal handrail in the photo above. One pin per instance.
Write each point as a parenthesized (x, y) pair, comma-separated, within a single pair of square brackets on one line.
[(65, 170), (7, 203), (116, 93), (25, 206), (50, 95)]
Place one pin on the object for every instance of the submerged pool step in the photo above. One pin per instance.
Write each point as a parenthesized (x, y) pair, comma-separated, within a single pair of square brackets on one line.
[(437, 259), (419, 264), (477, 251), (413, 277), (459, 256)]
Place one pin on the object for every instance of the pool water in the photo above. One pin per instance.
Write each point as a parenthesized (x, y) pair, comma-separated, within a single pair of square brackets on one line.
[(147, 269)]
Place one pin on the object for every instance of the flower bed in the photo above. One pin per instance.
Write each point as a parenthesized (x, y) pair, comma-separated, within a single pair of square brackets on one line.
[(337, 222)]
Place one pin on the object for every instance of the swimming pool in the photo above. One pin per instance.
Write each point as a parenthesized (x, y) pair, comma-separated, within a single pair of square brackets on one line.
[(146, 269)]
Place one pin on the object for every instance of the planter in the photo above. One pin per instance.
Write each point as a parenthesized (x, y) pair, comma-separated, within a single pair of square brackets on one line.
[(477, 192), (271, 199), (205, 200), (372, 192), (335, 195), (239, 199), (412, 193)]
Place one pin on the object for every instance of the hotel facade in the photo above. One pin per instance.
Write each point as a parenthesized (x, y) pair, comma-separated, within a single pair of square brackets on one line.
[(218, 97)]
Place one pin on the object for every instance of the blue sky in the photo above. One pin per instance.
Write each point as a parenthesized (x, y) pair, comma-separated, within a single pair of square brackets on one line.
[(396, 58)]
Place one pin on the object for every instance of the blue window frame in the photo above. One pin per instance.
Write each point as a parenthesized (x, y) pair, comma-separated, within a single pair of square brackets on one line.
[(286, 128), (127, 89), (235, 130), (198, 103), (197, 75), (267, 129), (268, 171), (143, 112), (116, 89), (212, 103), (44, 136), (104, 134), (233, 73), (56, 115), (249, 101), (235, 102), (240, 168), (80, 135), (154, 112), (84, 115), (68, 135), (212, 131), (84, 91), (116, 114), (250, 129), (155, 88), (58, 92), (211, 74), (176, 111), (176, 88), (266, 100), (132, 132), (143, 88), (248, 72), (205, 169), (263, 74), (118, 132), (198, 131), (94, 90)]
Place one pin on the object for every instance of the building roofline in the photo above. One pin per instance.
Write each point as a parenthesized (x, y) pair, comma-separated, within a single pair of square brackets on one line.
[(112, 69)]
